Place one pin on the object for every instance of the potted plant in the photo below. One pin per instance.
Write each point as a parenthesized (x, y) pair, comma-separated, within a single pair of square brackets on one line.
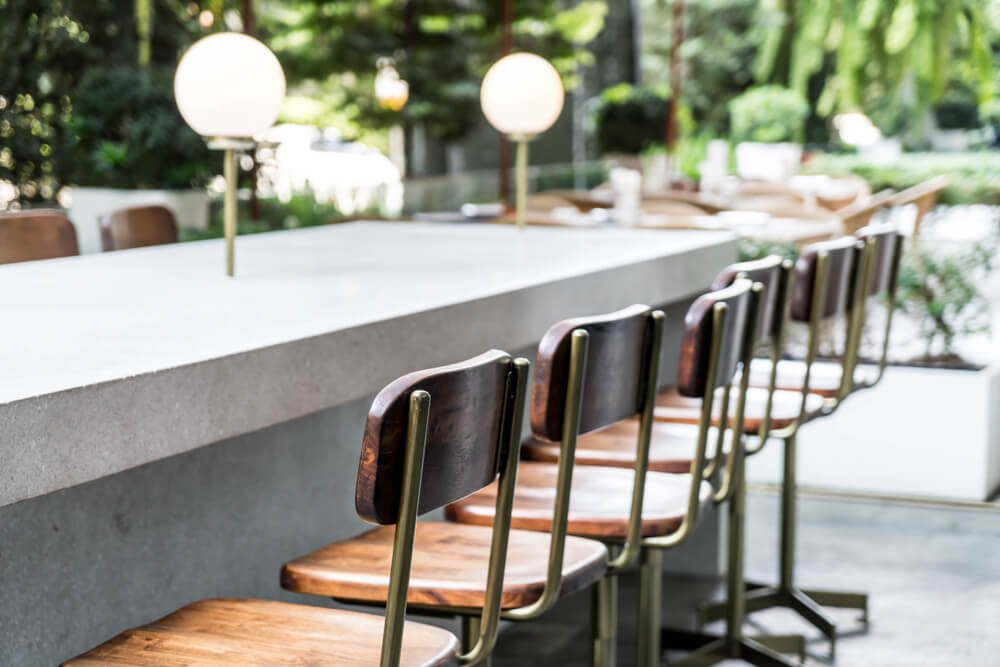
[(936, 408), (767, 125), (130, 146)]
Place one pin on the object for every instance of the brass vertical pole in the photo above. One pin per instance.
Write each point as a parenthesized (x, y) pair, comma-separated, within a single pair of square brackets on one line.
[(229, 169), (788, 499), (650, 652), (522, 182), (736, 608)]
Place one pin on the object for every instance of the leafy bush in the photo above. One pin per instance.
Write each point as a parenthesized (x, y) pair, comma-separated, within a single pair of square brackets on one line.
[(769, 114), (629, 119), (127, 133), (940, 290), (300, 211), (972, 176)]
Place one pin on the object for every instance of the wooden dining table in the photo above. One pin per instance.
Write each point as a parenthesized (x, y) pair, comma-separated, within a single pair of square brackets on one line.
[(744, 224)]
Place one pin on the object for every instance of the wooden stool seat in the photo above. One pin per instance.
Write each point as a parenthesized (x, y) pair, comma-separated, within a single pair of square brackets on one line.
[(672, 448), (599, 502), (449, 567), (671, 406), (259, 632), (824, 379)]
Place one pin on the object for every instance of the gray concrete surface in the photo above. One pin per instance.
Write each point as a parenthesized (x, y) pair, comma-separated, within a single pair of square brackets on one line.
[(115, 360)]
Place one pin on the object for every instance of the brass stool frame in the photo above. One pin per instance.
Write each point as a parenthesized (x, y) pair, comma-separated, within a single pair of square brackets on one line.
[(808, 603)]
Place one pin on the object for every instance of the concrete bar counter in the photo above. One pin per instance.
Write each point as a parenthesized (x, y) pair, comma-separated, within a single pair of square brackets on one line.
[(117, 371)]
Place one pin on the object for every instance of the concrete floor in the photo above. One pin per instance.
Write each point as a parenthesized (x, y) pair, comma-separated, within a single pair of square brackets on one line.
[(933, 574)]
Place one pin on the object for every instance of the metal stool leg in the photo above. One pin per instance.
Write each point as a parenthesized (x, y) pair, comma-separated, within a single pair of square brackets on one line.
[(470, 633), (648, 651), (605, 622)]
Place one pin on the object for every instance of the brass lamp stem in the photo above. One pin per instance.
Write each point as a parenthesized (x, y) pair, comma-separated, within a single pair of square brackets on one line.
[(522, 181), (230, 147), (229, 169)]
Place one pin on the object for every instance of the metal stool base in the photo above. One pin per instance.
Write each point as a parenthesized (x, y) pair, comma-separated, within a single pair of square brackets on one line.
[(806, 603)]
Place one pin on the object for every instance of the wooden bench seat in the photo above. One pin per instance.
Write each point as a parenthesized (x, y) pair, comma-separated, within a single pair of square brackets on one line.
[(599, 502), (259, 632), (449, 566)]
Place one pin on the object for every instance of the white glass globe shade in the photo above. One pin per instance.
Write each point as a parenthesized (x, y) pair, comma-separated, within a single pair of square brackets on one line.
[(522, 94), (229, 85)]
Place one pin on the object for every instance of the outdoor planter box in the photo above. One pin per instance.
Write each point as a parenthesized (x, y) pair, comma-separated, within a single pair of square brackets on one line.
[(190, 208), (922, 432)]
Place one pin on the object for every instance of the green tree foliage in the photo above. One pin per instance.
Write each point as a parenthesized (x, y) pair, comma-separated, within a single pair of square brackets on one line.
[(721, 39), (48, 49), (127, 133), (329, 49), (880, 44)]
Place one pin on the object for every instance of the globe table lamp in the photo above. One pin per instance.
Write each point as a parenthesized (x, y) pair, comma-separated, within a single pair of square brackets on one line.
[(522, 96), (229, 87)]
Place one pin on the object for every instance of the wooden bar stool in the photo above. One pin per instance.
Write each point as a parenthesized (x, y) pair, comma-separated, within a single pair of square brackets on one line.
[(450, 561), (431, 436), (36, 234), (137, 227)]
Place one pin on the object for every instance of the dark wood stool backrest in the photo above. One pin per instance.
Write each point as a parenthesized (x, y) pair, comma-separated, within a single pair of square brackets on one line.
[(469, 403), (772, 273), (432, 437), (36, 234), (884, 244), (138, 227), (700, 334), (590, 373), (616, 347), (774, 276), (841, 266), (827, 281), (883, 251)]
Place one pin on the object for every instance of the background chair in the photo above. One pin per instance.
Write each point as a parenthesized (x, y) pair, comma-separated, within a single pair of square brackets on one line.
[(923, 196), (137, 227), (859, 214), (36, 234)]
